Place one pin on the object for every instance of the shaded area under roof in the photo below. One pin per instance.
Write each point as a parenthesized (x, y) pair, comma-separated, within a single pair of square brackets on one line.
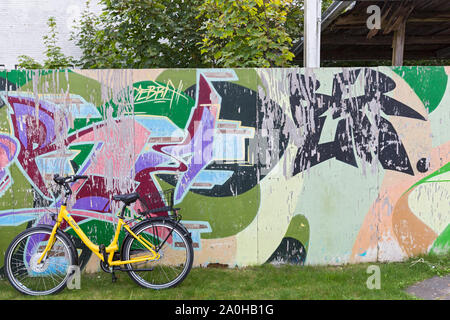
[(345, 35)]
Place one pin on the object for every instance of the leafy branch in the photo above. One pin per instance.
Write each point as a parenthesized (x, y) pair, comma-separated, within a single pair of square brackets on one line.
[(55, 58)]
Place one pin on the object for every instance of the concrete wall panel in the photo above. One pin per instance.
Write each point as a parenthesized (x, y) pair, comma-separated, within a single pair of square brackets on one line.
[(317, 166)]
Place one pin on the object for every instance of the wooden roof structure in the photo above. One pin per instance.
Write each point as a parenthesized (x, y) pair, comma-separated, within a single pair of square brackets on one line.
[(410, 29)]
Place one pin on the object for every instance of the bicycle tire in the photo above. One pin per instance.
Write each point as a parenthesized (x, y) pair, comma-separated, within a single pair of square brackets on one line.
[(49, 277), (177, 254)]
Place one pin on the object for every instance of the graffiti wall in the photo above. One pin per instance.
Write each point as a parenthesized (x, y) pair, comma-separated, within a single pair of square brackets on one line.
[(321, 166)]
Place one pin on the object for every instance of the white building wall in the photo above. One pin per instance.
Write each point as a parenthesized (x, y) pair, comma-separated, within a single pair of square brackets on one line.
[(23, 23)]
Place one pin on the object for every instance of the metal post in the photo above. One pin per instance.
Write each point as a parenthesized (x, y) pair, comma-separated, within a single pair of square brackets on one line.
[(312, 29)]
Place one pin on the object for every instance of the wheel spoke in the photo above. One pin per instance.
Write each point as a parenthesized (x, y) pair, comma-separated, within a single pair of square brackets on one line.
[(31, 278), (174, 263)]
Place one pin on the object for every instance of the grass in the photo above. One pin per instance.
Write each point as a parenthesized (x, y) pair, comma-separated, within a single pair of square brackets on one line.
[(266, 282)]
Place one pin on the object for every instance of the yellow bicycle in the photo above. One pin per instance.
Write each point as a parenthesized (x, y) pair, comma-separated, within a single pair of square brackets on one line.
[(156, 252)]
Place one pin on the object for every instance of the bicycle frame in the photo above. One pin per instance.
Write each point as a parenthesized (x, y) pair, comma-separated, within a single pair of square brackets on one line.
[(110, 249)]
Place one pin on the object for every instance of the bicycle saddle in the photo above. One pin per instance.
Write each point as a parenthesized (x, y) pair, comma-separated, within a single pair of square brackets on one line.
[(127, 198)]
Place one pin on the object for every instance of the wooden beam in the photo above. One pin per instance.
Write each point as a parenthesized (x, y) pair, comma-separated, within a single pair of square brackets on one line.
[(399, 18), (443, 53), (419, 17), (398, 44), (364, 53), (337, 39), (430, 16)]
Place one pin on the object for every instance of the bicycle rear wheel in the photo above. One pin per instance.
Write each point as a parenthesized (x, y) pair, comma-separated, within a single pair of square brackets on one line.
[(48, 277), (174, 247)]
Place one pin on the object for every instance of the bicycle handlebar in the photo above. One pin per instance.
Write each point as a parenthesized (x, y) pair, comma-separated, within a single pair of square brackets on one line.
[(63, 180)]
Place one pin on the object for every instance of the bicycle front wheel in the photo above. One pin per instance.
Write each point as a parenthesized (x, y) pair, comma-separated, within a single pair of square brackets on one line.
[(30, 277), (174, 247)]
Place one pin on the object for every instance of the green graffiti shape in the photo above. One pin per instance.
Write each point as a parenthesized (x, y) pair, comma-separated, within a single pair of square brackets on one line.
[(429, 83), (227, 216), (153, 98), (441, 170), (299, 229), (442, 243), (247, 77)]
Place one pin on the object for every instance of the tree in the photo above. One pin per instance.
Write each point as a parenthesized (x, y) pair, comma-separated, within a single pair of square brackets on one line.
[(140, 34), (295, 19), (27, 62), (194, 33), (55, 58), (89, 38), (245, 33), (252, 33)]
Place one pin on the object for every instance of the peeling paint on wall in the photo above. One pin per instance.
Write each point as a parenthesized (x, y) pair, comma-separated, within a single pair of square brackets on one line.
[(304, 166)]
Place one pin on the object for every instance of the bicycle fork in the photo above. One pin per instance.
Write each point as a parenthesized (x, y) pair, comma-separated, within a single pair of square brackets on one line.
[(50, 243)]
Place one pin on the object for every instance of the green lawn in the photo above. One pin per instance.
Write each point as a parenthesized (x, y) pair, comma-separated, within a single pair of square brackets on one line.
[(285, 282)]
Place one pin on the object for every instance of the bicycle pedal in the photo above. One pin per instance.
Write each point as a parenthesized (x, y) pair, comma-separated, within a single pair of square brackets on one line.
[(114, 278)]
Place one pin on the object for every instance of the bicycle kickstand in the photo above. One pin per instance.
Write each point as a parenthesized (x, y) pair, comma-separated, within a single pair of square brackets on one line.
[(113, 275), (105, 259)]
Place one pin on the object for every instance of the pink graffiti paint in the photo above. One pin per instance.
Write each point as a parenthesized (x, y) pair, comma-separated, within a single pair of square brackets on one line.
[(8, 152)]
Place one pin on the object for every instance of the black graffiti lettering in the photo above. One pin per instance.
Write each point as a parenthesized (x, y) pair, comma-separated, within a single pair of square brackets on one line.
[(361, 129)]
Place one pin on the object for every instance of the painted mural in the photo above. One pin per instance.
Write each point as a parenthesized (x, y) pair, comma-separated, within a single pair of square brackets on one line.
[(302, 166)]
